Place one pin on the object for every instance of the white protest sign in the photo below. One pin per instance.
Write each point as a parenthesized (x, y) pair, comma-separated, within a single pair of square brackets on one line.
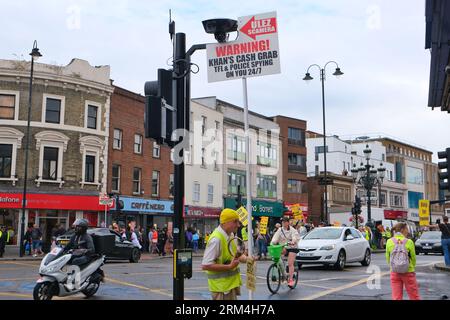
[(255, 53)]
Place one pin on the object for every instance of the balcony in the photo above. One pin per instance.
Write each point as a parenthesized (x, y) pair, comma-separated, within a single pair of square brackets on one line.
[(266, 194), (295, 142), (296, 168), (262, 161), (234, 190), (235, 155)]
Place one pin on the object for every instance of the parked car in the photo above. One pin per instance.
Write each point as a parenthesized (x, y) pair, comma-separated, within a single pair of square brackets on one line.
[(334, 246), (109, 243), (429, 242)]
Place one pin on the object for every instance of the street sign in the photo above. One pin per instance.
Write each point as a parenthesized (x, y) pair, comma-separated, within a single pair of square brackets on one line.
[(263, 225), (251, 275), (104, 200), (424, 212), (243, 215), (255, 53)]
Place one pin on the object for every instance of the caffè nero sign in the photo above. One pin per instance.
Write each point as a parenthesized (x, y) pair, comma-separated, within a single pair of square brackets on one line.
[(147, 205)]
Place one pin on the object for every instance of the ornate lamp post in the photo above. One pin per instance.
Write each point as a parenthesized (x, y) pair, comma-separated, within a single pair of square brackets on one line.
[(308, 77), (367, 177)]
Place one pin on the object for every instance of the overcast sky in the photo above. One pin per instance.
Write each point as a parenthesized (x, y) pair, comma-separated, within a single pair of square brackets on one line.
[(379, 45)]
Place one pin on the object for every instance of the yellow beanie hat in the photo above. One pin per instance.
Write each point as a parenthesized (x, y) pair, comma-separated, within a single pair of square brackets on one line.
[(228, 215)]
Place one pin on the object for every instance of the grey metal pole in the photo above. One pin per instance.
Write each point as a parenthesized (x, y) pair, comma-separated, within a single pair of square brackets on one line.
[(322, 78), (369, 188), (25, 177), (247, 176)]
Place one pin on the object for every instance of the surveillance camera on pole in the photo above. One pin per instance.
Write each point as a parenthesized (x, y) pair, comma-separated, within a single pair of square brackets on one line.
[(220, 28)]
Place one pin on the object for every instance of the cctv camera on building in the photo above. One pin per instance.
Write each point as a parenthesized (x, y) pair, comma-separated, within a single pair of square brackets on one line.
[(447, 69), (220, 28)]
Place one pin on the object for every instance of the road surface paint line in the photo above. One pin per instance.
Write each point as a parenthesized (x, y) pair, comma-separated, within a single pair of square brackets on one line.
[(16, 295), (22, 264), (354, 284), (19, 279), (301, 284), (344, 287), (158, 291)]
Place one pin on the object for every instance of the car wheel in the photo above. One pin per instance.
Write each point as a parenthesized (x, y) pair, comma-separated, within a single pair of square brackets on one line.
[(425, 253), (367, 258), (340, 263), (135, 255)]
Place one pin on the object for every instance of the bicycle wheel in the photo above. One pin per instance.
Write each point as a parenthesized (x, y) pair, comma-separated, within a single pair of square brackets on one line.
[(273, 278)]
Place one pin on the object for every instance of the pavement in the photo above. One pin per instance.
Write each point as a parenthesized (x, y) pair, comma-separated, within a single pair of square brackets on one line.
[(12, 254)]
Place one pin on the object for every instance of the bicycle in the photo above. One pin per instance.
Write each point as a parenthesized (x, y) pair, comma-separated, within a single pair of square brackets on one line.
[(279, 271)]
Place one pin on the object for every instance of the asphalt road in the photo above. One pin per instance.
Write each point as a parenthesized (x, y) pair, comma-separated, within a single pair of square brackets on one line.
[(152, 279)]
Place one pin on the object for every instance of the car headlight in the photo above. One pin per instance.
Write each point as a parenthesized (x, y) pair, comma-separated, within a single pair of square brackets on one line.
[(329, 247)]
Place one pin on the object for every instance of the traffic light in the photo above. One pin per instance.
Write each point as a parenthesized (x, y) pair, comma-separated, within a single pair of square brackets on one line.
[(444, 165), (159, 113), (357, 206)]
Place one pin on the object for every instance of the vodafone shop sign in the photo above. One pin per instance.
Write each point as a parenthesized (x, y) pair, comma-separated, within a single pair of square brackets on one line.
[(255, 53)]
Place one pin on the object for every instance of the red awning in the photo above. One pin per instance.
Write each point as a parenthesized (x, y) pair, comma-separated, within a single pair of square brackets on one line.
[(395, 214)]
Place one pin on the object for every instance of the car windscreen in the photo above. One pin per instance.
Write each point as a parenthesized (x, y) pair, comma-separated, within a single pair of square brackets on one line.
[(431, 235), (323, 233)]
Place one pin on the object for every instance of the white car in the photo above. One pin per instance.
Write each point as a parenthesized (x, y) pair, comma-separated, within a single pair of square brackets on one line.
[(333, 246)]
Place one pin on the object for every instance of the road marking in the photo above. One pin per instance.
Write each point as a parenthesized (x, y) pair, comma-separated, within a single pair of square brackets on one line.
[(17, 295), (301, 284), (21, 264), (347, 286), (19, 279), (354, 284), (158, 291)]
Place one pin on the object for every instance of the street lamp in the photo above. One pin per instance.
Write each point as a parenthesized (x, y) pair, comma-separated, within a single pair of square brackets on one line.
[(367, 177), (35, 54), (308, 77)]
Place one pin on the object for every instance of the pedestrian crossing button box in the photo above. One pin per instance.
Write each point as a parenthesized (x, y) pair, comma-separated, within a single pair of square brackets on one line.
[(182, 263)]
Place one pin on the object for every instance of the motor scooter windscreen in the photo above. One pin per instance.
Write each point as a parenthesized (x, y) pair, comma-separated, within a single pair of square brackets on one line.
[(53, 255)]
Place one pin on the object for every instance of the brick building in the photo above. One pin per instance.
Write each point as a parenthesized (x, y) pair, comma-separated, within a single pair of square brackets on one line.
[(67, 147), (140, 170), (292, 136)]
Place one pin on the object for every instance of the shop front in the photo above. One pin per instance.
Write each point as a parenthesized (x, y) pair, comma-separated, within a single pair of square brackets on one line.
[(146, 212), (261, 208), (203, 219), (47, 211)]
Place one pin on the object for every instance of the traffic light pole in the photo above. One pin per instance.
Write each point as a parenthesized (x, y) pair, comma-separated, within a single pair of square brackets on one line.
[(181, 94), (179, 69)]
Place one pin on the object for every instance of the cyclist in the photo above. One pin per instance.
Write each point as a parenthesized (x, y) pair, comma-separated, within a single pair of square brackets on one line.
[(287, 235)]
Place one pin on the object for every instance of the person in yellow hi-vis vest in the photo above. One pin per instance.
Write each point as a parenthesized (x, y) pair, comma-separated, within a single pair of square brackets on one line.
[(245, 238), (224, 278), (4, 239)]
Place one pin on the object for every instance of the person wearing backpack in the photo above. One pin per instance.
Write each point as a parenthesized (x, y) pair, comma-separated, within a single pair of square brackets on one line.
[(401, 256)]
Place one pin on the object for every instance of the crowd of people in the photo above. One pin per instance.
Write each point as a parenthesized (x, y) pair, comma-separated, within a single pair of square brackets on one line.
[(155, 241)]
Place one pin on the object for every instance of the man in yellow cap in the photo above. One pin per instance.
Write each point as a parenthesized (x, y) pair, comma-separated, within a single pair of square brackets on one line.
[(224, 278)]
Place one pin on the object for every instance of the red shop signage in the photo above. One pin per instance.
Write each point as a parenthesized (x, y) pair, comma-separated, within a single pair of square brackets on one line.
[(202, 212), (50, 201), (395, 214)]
